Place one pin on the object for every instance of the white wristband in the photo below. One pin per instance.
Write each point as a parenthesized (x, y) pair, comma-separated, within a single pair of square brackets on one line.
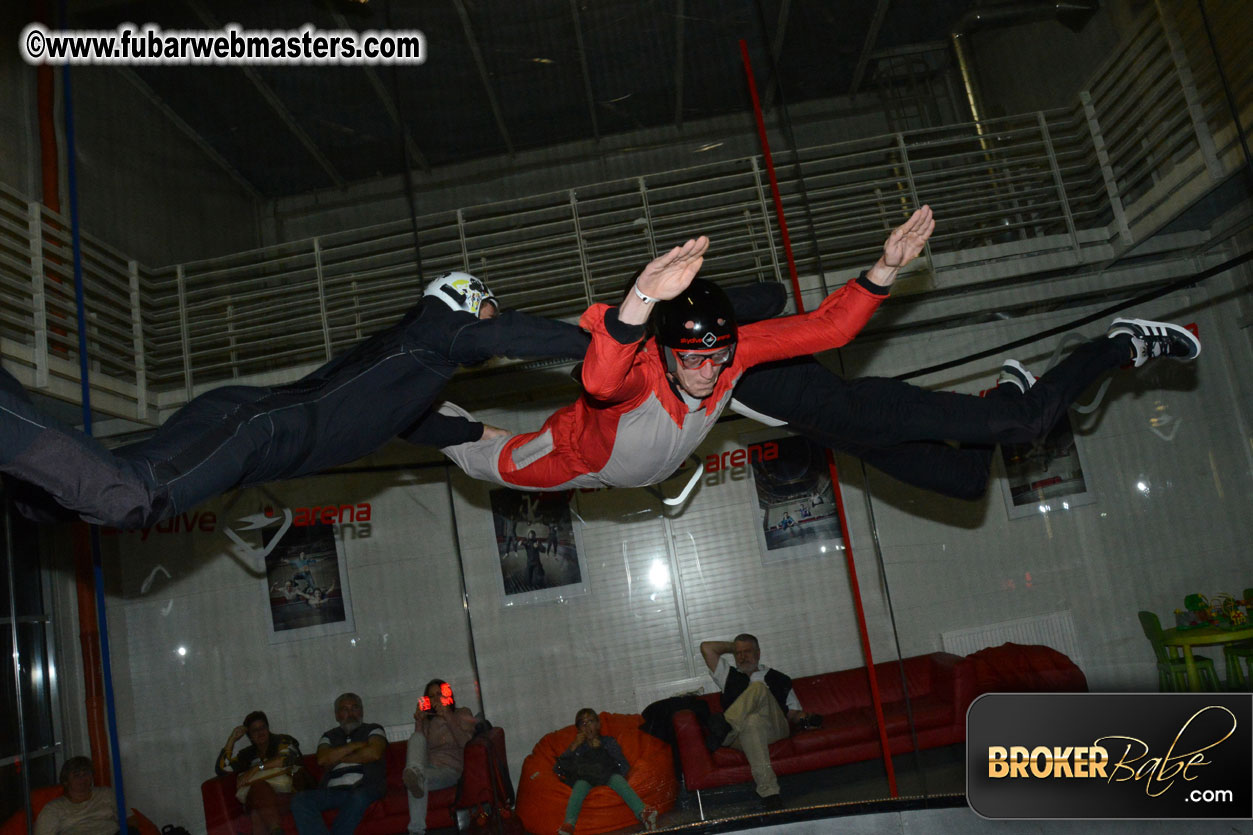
[(642, 297)]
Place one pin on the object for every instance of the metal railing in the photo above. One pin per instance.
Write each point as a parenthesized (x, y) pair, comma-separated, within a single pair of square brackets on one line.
[(1152, 130)]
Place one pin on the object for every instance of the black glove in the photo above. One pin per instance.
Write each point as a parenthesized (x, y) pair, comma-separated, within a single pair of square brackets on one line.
[(811, 721)]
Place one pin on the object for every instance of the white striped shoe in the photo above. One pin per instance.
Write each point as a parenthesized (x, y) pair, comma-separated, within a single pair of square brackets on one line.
[(1156, 339), (1016, 374)]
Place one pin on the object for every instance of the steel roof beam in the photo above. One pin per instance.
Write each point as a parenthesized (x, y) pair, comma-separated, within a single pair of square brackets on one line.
[(678, 64), (389, 104), (587, 76), (271, 98), (190, 132), (776, 49), (867, 48), (473, 43)]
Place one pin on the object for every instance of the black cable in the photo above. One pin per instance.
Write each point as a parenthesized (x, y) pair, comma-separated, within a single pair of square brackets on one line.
[(1186, 281)]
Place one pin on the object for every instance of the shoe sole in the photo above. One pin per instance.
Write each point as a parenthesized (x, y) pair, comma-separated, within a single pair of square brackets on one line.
[(1148, 327)]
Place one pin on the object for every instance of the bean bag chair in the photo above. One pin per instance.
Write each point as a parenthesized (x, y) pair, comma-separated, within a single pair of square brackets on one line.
[(542, 797), (1021, 668), (16, 824)]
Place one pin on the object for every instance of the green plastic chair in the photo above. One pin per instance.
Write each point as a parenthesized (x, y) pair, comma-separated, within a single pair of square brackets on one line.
[(1239, 658), (1172, 670)]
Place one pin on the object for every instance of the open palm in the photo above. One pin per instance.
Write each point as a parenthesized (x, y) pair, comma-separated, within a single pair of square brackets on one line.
[(669, 275), (908, 239)]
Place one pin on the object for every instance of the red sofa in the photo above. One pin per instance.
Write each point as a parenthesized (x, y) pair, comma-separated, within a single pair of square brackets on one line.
[(941, 687), (224, 815)]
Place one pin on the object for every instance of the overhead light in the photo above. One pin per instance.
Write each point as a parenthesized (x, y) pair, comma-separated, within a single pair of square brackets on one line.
[(708, 147), (659, 574), (542, 61)]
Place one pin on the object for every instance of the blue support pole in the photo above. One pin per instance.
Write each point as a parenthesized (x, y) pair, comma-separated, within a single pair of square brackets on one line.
[(83, 367)]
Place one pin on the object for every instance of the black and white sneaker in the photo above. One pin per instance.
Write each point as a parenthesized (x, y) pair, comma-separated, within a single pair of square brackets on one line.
[(1156, 339), (1016, 374)]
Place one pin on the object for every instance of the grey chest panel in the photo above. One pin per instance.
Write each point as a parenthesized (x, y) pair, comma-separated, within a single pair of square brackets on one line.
[(650, 446)]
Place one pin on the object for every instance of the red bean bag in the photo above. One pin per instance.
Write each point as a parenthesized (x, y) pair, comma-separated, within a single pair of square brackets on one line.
[(542, 797), (1021, 668), (16, 824)]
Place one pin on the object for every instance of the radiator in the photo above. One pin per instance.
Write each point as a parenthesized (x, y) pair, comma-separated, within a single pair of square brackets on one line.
[(1055, 630), (398, 733)]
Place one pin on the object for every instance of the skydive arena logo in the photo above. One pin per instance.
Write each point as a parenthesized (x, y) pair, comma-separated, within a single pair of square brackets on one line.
[(1090, 755)]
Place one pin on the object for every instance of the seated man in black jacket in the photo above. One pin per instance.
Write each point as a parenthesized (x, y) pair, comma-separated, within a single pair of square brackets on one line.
[(758, 704)]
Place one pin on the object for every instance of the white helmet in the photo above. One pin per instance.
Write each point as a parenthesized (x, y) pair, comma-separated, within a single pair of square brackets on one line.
[(460, 291)]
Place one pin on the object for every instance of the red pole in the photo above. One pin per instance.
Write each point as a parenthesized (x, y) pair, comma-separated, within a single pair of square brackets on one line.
[(855, 589), (854, 586)]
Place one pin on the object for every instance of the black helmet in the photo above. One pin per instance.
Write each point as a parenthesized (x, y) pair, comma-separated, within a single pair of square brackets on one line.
[(699, 320)]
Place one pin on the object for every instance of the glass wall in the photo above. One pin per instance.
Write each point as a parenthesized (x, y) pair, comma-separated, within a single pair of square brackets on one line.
[(29, 744)]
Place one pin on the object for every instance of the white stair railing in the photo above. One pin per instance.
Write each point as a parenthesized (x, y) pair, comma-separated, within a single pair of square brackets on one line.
[(1150, 134)]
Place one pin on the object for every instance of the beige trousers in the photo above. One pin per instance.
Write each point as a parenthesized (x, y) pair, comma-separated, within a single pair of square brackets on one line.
[(756, 721)]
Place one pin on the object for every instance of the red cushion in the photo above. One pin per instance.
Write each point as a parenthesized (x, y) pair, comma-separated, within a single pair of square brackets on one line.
[(838, 730)]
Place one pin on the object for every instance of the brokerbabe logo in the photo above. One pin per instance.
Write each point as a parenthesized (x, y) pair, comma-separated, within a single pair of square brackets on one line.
[(1090, 755)]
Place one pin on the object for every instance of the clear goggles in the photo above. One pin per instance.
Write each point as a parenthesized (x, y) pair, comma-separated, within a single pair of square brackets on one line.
[(692, 360)]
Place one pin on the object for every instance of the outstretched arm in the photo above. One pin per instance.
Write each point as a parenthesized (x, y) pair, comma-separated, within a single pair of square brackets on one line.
[(902, 246), (440, 430), (664, 278), (519, 335), (617, 332), (843, 314)]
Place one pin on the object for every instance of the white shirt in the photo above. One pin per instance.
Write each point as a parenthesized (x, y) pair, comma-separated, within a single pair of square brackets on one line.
[(97, 815), (724, 669)]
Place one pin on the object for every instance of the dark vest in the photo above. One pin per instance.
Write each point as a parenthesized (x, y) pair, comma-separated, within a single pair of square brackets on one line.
[(778, 684), (374, 775)]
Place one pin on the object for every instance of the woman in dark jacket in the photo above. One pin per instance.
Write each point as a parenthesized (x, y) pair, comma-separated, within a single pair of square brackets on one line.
[(268, 772), (595, 760)]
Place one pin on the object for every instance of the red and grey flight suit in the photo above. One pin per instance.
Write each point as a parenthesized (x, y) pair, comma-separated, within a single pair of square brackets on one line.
[(631, 427)]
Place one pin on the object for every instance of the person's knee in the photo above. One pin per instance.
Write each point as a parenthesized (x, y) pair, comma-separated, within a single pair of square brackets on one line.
[(756, 692), (1021, 419), (360, 801), (260, 795), (754, 720), (970, 487)]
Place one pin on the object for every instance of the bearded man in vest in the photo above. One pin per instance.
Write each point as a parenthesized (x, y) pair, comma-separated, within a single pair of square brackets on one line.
[(758, 708)]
